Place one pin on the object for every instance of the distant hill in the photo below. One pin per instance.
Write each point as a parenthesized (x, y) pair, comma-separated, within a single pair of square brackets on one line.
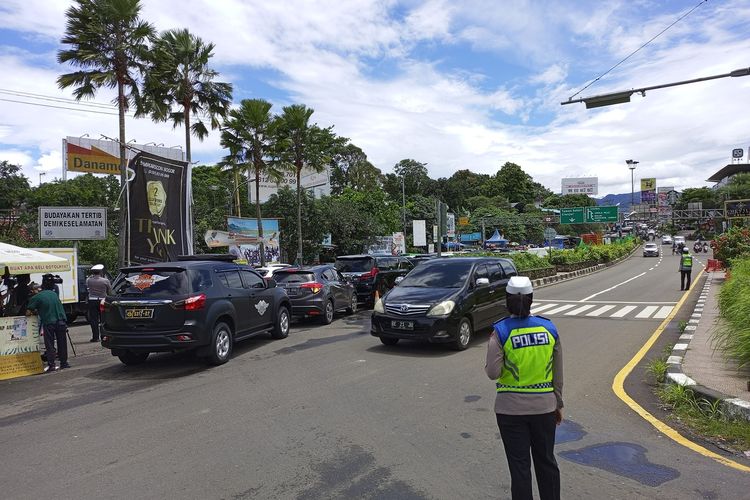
[(614, 199)]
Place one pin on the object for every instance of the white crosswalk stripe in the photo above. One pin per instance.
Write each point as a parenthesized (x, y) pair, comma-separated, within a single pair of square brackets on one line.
[(624, 311), (560, 309), (600, 311), (647, 312), (538, 308), (579, 310), (639, 310)]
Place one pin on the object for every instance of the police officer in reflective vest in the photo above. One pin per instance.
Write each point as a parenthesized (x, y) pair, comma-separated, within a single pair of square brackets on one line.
[(525, 358), (686, 268)]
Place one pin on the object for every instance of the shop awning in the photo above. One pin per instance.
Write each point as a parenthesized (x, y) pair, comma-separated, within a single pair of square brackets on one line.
[(24, 261)]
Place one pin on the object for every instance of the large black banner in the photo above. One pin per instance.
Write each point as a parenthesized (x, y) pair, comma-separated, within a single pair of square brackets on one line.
[(157, 209)]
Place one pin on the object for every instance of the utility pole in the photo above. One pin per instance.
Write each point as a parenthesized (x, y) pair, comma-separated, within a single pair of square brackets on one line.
[(439, 242), (483, 229)]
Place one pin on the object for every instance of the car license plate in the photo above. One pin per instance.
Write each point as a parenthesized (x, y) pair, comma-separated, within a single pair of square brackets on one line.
[(402, 325), (291, 291), (139, 313)]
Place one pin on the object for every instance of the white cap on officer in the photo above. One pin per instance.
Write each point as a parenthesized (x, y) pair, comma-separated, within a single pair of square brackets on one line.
[(685, 250), (519, 285), (98, 267)]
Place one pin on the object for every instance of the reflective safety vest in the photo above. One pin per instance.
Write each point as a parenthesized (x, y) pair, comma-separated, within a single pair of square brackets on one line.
[(687, 262), (528, 344)]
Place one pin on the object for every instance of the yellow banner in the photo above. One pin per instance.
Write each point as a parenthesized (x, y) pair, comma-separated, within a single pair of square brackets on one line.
[(94, 160), (19, 347), (648, 184)]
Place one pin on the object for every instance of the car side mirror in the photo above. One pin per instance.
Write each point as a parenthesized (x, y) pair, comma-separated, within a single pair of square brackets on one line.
[(398, 279), (270, 283), (483, 282)]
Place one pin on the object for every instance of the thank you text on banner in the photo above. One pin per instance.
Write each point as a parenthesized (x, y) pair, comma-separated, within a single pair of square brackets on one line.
[(158, 209)]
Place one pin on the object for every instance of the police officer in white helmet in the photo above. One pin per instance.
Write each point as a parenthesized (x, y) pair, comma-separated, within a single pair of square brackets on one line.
[(524, 357)]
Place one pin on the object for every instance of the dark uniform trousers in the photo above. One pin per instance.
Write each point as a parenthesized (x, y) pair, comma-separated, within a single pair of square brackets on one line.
[(685, 280), (521, 432), (55, 332), (94, 318)]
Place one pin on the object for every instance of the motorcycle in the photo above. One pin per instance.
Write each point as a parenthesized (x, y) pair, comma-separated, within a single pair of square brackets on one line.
[(697, 247), (705, 247)]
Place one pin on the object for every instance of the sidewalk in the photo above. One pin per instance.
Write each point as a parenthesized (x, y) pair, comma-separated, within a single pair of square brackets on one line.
[(695, 363)]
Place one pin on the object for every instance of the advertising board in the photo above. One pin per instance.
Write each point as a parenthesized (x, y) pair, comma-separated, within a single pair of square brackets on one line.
[(72, 223), (101, 156), (69, 286), (648, 190), (250, 252), (580, 185), (19, 346), (317, 182), (420, 233)]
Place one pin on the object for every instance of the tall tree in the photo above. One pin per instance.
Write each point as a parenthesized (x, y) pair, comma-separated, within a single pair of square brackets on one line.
[(350, 168), (108, 41), (302, 145), (14, 186), (249, 136), (180, 83)]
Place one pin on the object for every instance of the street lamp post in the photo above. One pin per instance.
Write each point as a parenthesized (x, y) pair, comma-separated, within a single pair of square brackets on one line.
[(40, 177), (631, 165)]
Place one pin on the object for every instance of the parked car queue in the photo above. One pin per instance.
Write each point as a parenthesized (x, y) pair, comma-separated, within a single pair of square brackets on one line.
[(208, 303)]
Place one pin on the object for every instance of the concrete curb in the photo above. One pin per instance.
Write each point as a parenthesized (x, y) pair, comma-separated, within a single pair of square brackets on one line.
[(731, 406), (557, 278)]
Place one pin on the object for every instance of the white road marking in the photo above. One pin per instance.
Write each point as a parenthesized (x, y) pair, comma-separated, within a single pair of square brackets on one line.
[(537, 309), (600, 311), (647, 312), (663, 312), (613, 287), (622, 312), (560, 309), (579, 310)]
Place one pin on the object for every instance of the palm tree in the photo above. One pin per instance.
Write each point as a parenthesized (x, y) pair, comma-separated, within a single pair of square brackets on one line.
[(108, 41), (301, 145), (179, 77), (248, 134)]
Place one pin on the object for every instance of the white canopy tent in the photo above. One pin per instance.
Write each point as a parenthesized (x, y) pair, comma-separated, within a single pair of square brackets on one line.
[(24, 261)]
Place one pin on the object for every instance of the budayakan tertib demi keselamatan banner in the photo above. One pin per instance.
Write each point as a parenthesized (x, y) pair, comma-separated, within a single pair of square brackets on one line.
[(158, 214)]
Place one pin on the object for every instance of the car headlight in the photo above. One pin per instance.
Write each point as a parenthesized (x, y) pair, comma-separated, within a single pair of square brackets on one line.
[(379, 307), (443, 308)]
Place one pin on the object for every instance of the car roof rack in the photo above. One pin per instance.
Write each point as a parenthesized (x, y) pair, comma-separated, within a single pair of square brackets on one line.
[(214, 257)]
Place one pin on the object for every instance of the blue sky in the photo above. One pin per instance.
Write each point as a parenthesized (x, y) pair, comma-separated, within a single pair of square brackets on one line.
[(454, 84)]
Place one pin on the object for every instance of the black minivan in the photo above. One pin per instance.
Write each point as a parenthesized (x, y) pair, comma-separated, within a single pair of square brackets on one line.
[(205, 303), (444, 301)]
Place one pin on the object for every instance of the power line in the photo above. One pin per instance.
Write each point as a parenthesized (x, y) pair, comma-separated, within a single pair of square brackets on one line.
[(43, 97), (60, 107), (638, 49)]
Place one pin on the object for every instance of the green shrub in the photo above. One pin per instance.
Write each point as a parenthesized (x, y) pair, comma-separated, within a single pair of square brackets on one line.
[(658, 369), (734, 304), (733, 244)]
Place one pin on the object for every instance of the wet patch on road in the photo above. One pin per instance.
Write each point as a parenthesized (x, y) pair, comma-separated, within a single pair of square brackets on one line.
[(624, 459), (472, 398), (465, 435), (569, 431), (353, 473)]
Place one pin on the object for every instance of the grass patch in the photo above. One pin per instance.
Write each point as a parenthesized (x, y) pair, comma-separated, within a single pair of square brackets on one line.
[(657, 368), (734, 303), (682, 325), (705, 417)]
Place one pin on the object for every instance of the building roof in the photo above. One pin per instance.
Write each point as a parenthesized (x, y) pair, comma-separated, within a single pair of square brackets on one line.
[(728, 171)]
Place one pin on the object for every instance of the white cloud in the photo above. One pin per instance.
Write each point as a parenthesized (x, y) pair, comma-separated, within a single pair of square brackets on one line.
[(362, 66)]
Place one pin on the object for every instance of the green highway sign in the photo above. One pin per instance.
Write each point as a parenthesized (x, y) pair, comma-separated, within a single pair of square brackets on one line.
[(601, 214), (571, 215)]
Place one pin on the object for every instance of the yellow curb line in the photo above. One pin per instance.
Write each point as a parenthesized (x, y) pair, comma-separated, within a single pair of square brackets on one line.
[(619, 390)]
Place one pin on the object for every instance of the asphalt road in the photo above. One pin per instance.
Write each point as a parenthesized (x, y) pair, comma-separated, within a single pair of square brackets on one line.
[(331, 413)]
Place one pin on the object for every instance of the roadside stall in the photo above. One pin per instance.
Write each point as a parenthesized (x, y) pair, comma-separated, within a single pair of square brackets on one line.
[(19, 334)]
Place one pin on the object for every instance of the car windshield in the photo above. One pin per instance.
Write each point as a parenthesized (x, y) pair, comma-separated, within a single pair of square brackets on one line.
[(293, 277), (161, 283), (358, 265), (434, 274)]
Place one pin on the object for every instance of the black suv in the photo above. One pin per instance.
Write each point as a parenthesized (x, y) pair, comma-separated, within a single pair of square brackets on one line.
[(317, 291), (195, 303), (372, 273), (444, 300)]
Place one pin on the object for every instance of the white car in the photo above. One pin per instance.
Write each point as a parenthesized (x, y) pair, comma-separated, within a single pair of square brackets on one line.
[(679, 239), (666, 240), (268, 271), (650, 250)]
